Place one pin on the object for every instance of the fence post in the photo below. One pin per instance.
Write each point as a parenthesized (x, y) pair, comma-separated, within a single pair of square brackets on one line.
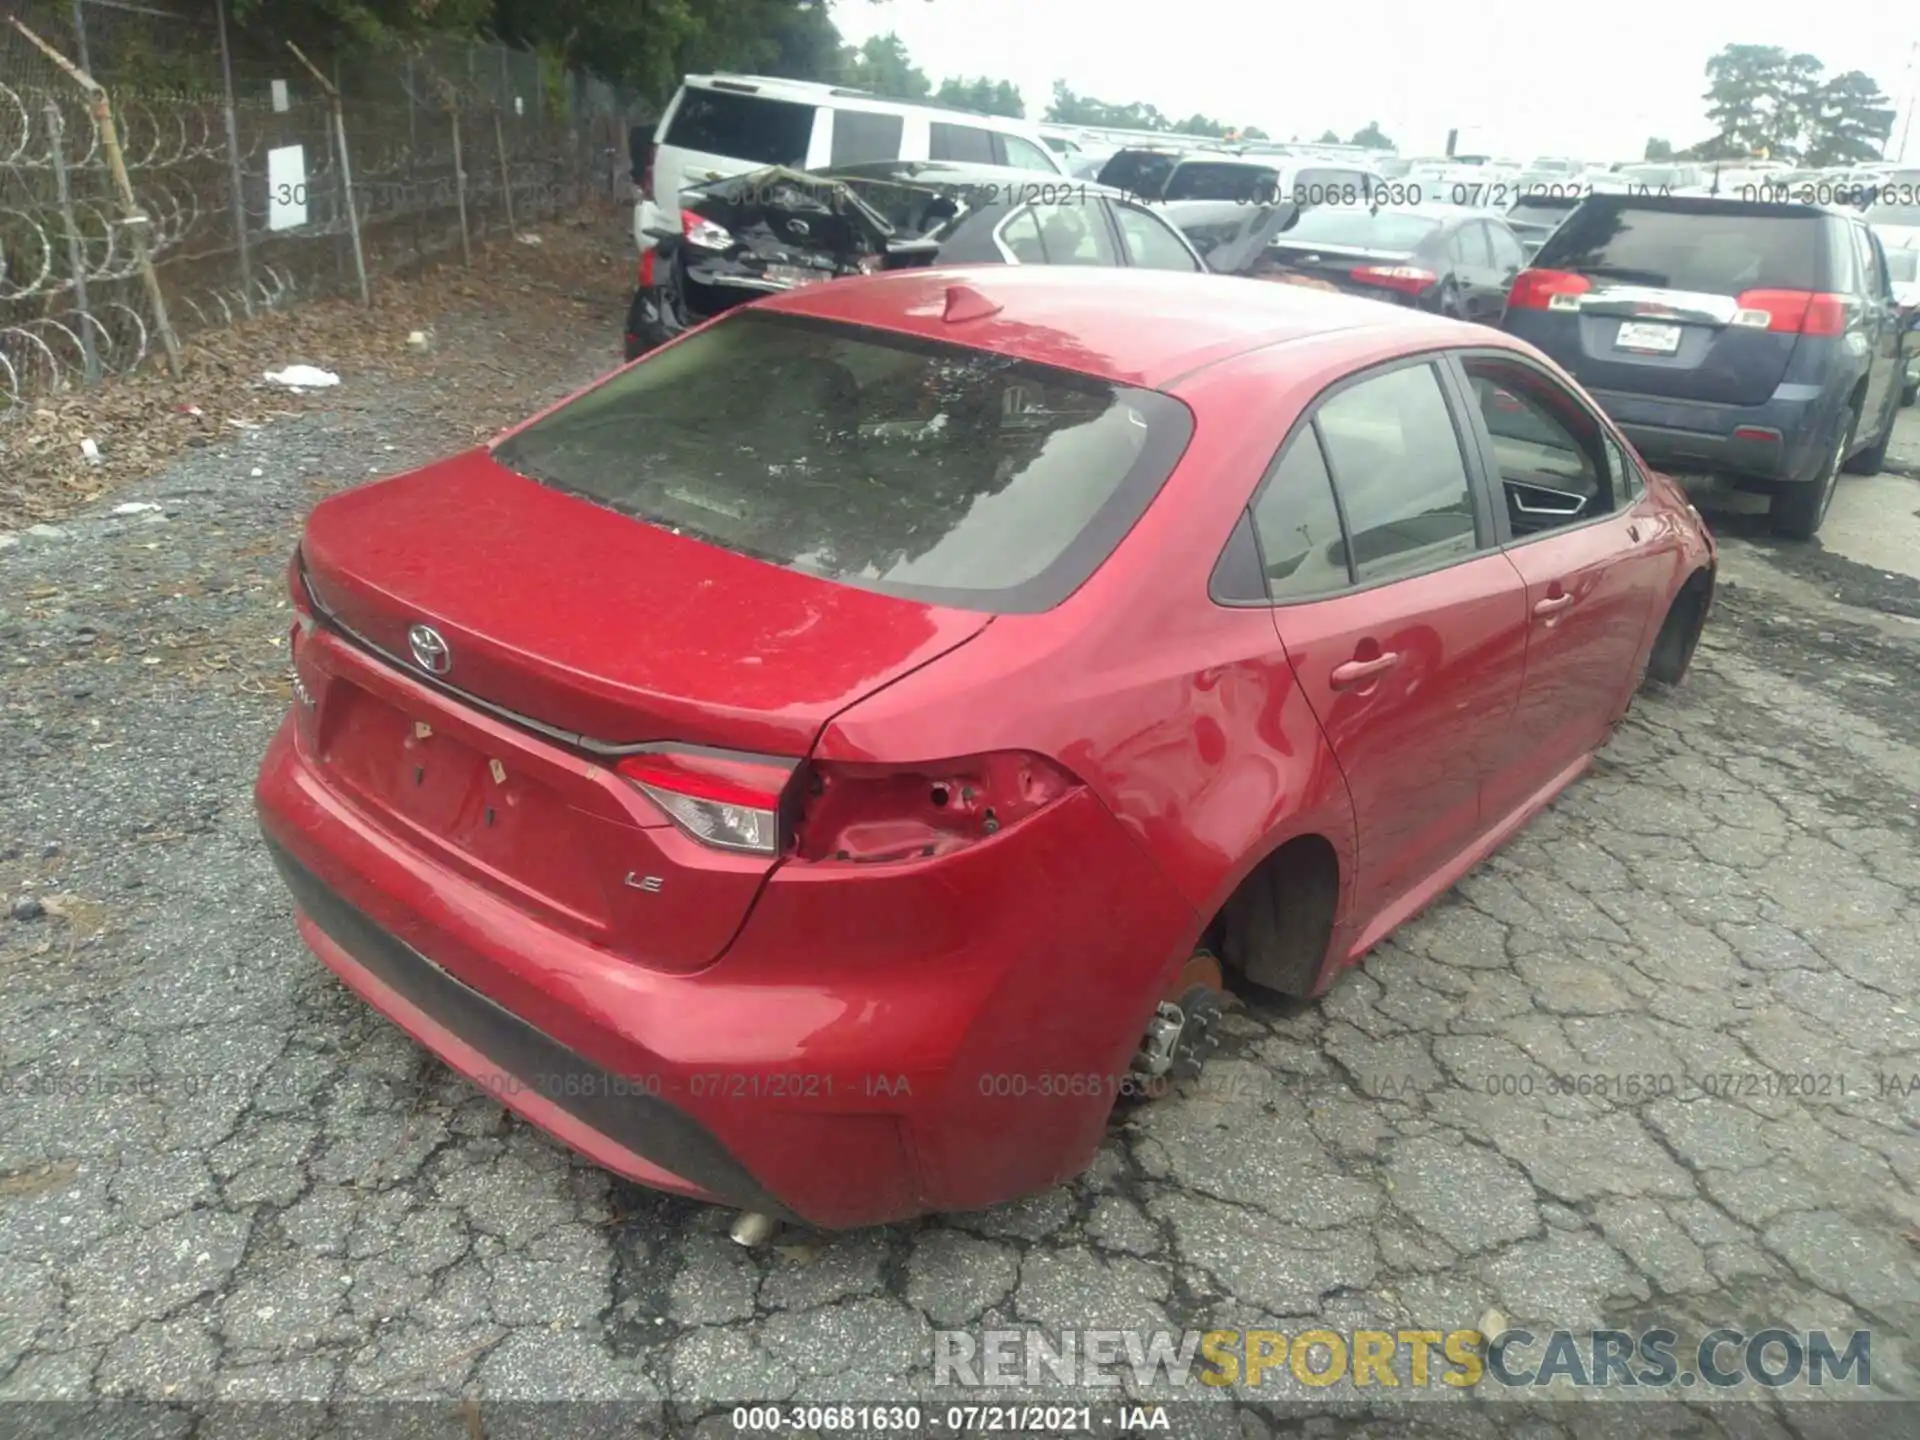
[(134, 218), (80, 35), (346, 167), (460, 182), (506, 173), (235, 178), (76, 257)]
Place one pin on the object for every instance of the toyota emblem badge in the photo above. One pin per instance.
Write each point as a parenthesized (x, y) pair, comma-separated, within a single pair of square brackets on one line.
[(430, 652)]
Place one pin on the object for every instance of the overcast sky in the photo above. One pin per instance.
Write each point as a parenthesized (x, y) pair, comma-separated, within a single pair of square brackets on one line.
[(1594, 85)]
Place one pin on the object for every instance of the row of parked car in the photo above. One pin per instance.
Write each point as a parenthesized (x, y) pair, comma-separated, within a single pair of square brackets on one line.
[(1758, 334)]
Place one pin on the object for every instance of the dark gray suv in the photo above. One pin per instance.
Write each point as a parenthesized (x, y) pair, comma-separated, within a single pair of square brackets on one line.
[(1754, 340)]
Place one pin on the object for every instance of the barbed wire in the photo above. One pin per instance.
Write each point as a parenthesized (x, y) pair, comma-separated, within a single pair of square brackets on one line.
[(532, 141)]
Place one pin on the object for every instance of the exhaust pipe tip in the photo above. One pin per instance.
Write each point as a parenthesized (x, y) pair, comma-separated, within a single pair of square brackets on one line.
[(752, 1229)]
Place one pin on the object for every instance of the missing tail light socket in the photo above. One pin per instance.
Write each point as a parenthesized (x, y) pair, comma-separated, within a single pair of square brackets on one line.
[(876, 814)]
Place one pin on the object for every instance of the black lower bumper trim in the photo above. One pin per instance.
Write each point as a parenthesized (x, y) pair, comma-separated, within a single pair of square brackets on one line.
[(649, 1126)]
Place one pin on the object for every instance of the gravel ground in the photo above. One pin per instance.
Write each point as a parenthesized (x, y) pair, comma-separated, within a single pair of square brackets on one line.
[(287, 1201)]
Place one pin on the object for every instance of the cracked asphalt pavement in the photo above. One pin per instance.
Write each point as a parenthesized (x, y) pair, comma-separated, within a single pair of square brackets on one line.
[(1657, 1061)]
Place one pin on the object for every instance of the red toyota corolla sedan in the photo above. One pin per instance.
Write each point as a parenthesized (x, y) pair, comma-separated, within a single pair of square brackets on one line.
[(820, 767)]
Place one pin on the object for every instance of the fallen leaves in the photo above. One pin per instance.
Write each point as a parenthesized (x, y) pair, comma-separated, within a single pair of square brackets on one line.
[(555, 299)]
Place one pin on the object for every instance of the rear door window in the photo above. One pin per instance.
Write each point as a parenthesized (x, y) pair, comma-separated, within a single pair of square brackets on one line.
[(1150, 242), (1469, 247), (1509, 255), (1075, 234), (742, 127), (1714, 252), (1402, 480), (863, 135), (965, 143), (897, 464)]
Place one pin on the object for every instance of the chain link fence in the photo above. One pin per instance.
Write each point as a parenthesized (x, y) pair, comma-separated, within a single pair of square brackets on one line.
[(236, 183)]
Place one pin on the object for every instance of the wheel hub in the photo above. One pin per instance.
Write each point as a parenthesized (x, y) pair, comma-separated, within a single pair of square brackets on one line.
[(1182, 1033)]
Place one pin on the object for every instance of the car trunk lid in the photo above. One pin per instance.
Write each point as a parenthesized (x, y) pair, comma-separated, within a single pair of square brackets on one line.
[(572, 632)]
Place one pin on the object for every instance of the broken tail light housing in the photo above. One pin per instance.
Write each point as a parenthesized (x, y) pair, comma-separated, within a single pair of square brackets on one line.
[(1547, 290), (704, 233), (1401, 279), (875, 814), (725, 801), (646, 269), (1792, 312)]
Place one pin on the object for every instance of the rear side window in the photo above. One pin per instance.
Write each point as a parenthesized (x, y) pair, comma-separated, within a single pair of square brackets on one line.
[(901, 465), (742, 127), (1024, 155), (1396, 463), (1713, 252), (1060, 235), (960, 142), (862, 135), (1301, 547)]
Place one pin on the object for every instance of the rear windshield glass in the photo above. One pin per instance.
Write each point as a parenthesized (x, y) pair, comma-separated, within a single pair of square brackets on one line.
[(1217, 180), (742, 127), (1382, 230), (917, 469), (1711, 252)]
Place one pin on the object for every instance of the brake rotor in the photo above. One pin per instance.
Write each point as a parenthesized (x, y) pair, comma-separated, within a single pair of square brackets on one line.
[(1201, 971)]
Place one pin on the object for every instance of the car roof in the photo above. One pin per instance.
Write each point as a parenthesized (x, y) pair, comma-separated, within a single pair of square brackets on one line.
[(817, 92), (1130, 326)]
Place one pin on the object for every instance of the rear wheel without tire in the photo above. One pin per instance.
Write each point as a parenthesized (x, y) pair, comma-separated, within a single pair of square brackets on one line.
[(1679, 635)]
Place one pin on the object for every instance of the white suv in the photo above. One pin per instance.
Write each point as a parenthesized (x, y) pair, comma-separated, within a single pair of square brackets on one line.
[(722, 125)]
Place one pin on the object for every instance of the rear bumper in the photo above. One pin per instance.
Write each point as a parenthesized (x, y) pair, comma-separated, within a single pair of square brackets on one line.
[(1782, 441), (927, 1037)]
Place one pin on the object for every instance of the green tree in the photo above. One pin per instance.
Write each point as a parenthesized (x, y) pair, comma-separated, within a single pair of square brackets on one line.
[(1658, 149), (1761, 101), (883, 66), (1848, 122), (989, 97), (1330, 137), (1372, 137), (1067, 108), (1198, 124), (1254, 132)]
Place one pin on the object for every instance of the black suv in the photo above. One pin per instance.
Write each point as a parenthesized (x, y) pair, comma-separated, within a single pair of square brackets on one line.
[(1754, 340)]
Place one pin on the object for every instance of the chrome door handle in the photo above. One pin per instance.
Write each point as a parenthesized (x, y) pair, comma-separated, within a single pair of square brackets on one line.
[(1552, 605), (1358, 672)]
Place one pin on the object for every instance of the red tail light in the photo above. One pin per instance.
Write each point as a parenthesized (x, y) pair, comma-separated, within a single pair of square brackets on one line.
[(1403, 279), (646, 269), (725, 801), (876, 813), (1539, 289), (1792, 312)]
